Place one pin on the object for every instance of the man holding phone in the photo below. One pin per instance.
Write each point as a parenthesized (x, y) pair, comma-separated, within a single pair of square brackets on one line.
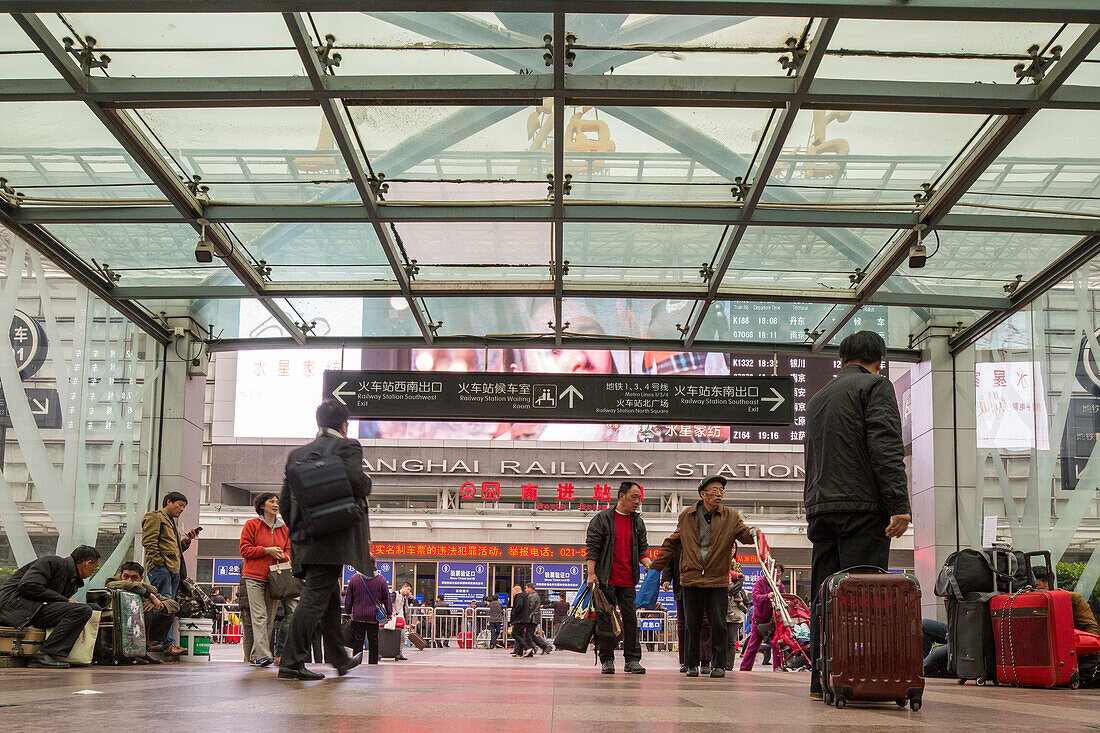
[(164, 548)]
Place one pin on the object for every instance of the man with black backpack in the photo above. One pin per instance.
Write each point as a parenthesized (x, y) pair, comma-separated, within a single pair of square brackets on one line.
[(325, 492)]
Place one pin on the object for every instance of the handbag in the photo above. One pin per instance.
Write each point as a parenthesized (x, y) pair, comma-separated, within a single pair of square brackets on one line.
[(281, 583), (84, 649), (609, 627), (577, 629), (379, 612), (391, 625), (647, 595)]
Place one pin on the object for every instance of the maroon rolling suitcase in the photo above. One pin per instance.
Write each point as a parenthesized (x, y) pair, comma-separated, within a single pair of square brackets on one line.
[(871, 638)]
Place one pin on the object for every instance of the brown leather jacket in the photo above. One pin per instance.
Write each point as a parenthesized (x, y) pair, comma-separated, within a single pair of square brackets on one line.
[(726, 530)]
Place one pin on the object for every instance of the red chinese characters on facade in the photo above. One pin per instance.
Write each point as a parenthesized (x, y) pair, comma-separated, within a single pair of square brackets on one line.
[(468, 490), (490, 490), (529, 492), (602, 492), (565, 492)]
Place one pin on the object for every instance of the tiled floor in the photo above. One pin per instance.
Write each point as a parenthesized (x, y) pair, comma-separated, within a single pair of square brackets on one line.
[(453, 691)]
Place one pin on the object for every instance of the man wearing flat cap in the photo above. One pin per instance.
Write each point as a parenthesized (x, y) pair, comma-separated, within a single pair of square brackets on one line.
[(706, 536)]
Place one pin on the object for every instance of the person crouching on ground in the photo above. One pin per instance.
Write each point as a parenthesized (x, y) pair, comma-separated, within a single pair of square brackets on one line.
[(706, 536)]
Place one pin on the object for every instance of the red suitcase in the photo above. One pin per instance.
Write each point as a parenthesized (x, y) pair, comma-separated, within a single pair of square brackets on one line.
[(871, 638), (1033, 635)]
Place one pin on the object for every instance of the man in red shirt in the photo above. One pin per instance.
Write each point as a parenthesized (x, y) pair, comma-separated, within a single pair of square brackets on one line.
[(616, 545)]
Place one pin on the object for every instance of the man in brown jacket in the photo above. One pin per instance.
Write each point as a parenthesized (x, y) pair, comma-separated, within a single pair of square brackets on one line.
[(160, 538), (706, 536)]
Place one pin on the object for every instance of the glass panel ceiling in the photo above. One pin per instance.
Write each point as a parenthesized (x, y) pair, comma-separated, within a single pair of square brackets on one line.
[(478, 250), (255, 154), (372, 317), (143, 254), (640, 252), (1052, 167), (316, 252), (777, 323), (794, 257), (626, 318), (184, 44), (59, 150), (935, 50), (488, 316), (233, 318), (19, 59), (436, 43), (863, 157)]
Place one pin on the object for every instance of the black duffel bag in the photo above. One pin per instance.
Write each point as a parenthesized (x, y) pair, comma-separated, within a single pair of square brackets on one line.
[(579, 626), (982, 571)]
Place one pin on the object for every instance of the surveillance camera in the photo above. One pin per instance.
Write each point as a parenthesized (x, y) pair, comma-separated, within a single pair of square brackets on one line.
[(537, 527), (204, 251), (918, 255)]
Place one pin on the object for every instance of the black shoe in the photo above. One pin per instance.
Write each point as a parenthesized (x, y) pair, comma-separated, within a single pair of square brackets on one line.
[(718, 672), (705, 669), (729, 667), (301, 673), (608, 667), (634, 668), (45, 661), (400, 658), (352, 663), (683, 668), (152, 660), (693, 672)]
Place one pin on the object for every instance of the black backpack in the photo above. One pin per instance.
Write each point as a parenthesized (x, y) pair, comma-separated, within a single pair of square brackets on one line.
[(323, 499)]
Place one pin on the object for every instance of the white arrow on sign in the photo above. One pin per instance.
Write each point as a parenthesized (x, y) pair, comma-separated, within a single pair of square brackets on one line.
[(571, 391), (40, 408), (337, 393), (778, 399)]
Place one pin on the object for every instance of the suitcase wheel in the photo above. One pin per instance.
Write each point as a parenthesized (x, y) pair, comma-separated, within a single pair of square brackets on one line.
[(1075, 681), (980, 681), (915, 704), (901, 702), (828, 698), (961, 681), (840, 703)]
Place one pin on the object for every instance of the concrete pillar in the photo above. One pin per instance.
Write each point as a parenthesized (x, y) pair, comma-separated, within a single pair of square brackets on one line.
[(944, 456), (181, 447)]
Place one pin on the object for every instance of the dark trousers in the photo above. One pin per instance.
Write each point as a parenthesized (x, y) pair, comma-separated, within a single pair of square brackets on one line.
[(632, 646), (494, 633), (67, 621), (712, 602), (157, 626), (519, 638), (841, 540), (319, 603), (733, 630), (370, 630)]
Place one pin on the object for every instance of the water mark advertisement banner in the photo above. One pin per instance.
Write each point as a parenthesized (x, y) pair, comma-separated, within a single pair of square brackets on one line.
[(1010, 402), (463, 575), (227, 571), (556, 577)]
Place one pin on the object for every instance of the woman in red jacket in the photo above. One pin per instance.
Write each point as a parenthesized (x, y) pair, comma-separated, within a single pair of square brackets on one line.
[(265, 541)]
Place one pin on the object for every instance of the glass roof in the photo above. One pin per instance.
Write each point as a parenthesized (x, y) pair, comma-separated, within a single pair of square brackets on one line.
[(676, 210)]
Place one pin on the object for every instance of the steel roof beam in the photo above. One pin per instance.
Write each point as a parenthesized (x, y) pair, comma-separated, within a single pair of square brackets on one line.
[(770, 215), (557, 259), (804, 76), (958, 180), (545, 288), (144, 153), (1054, 11), (579, 89), (342, 135)]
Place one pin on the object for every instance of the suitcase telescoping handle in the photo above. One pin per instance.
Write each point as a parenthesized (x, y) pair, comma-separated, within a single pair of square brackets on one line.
[(1031, 573)]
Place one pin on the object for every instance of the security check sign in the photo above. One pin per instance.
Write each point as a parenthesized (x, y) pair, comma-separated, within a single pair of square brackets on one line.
[(506, 397)]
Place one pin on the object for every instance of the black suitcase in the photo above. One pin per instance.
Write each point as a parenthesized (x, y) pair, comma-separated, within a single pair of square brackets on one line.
[(971, 653), (121, 636), (389, 643)]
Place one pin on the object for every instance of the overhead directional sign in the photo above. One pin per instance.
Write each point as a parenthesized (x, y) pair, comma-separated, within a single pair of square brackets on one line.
[(611, 398), (45, 408), (28, 341)]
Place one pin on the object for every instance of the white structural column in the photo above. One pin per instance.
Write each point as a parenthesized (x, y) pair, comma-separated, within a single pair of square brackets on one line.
[(181, 447), (943, 458)]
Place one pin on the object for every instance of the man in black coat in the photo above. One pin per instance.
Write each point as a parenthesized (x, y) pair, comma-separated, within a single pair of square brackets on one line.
[(40, 594), (856, 495), (521, 647), (319, 561)]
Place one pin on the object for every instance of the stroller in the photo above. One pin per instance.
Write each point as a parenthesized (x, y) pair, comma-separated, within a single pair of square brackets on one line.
[(789, 611)]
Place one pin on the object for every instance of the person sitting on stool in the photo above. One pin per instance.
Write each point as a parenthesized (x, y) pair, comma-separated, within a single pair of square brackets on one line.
[(40, 594)]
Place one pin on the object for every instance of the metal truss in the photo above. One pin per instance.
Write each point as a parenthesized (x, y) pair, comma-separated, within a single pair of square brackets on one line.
[(338, 125), (1055, 11), (751, 196), (957, 181), (577, 89), (142, 150)]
